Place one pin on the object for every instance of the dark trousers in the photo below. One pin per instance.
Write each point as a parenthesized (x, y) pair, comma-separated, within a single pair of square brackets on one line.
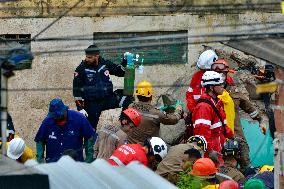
[(94, 108)]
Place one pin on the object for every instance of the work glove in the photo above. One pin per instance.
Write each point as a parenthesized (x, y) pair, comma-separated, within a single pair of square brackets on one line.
[(84, 112), (89, 150), (262, 127), (40, 147)]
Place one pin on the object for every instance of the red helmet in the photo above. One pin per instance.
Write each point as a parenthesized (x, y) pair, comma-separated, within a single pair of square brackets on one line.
[(229, 184), (134, 115)]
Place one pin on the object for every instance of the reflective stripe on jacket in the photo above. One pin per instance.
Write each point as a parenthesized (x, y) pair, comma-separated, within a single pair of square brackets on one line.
[(206, 123)]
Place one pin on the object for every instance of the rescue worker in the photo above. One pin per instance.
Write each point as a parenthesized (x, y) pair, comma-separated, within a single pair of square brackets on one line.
[(180, 157), (240, 103), (93, 88), (152, 117), (195, 90), (64, 129), (154, 149), (208, 117), (231, 152), (110, 137), (204, 168), (17, 150), (265, 174)]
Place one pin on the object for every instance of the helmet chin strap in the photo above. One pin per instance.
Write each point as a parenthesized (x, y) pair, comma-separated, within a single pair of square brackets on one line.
[(214, 93)]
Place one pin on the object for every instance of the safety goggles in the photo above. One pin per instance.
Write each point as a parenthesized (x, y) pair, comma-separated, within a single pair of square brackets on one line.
[(219, 67)]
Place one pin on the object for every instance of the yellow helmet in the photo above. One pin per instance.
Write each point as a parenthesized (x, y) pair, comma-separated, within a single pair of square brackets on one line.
[(266, 168), (144, 88)]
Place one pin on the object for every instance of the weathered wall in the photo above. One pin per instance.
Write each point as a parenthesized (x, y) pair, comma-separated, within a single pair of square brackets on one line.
[(55, 70), (53, 8)]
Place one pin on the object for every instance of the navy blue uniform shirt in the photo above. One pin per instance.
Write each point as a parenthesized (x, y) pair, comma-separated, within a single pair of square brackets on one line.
[(60, 138)]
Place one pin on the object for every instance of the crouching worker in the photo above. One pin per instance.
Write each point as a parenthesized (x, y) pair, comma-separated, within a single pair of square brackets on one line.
[(17, 150), (181, 157), (110, 137), (61, 130), (231, 153), (154, 149), (205, 170)]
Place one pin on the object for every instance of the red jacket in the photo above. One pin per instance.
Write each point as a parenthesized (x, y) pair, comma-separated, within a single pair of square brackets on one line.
[(206, 123), (127, 153), (195, 90)]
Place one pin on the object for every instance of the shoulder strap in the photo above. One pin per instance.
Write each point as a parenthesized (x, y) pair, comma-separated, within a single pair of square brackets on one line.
[(215, 110)]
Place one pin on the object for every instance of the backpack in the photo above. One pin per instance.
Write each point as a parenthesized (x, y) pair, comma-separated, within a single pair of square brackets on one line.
[(189, 124)]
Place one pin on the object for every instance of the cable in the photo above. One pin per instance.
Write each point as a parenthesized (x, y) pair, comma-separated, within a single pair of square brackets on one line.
[(153, 37), (71, 88), (180, 42)]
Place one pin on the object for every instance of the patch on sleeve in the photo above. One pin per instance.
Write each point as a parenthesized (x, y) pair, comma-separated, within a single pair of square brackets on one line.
[(106, 73)]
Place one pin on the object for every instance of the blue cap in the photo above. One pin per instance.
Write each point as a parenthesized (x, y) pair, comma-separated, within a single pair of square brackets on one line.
[(57, 109)]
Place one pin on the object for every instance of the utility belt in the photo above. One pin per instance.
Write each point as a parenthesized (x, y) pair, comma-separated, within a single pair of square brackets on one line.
[(98, 92)]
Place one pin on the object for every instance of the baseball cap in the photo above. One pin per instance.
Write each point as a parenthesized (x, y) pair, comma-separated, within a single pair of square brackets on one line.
[(57, 109)]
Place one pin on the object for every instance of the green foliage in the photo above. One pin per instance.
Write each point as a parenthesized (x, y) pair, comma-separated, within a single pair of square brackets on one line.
[(188, 181)]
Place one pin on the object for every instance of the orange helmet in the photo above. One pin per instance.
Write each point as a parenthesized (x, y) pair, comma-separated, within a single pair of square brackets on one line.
[(203, 167), (221, 66), (229, 184), (133, 115)]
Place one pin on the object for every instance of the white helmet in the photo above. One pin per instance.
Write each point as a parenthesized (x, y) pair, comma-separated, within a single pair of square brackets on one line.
[(157, 147), (200, 141), (16, 148), (211, 78), (206, 59)]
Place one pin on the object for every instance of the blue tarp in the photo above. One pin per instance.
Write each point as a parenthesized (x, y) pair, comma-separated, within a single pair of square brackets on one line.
[(261, 146)]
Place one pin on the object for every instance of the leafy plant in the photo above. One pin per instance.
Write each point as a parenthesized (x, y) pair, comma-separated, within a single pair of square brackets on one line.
[(188, 181)]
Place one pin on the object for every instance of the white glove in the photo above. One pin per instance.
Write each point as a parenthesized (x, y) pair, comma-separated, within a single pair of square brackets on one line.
[(84, 112)]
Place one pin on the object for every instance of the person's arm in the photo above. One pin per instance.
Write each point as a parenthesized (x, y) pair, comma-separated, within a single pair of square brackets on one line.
[(89, 136), (114, 69), (248, 107), (229, 132), (40, 141), (40, 148), (171, 118), (190, 99), (78, 83)]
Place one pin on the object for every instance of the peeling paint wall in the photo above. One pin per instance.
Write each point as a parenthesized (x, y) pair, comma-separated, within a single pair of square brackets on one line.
[(53, 8), (55, 70)]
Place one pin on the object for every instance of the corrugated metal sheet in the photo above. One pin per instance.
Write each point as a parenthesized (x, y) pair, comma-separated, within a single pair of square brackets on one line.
[(66, 173), (269, 49)]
